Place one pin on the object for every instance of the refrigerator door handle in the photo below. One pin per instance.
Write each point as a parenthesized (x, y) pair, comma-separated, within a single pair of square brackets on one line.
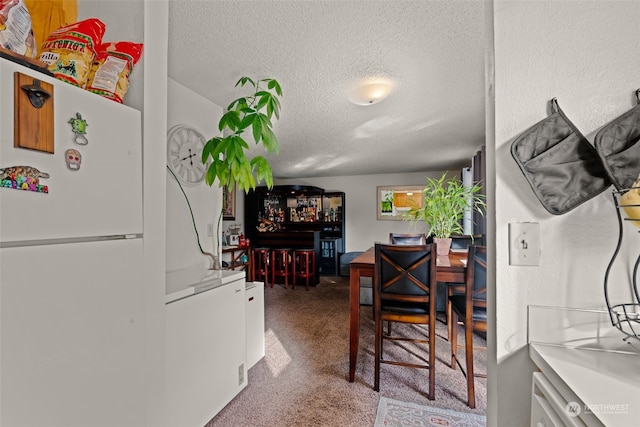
[(66, 240)]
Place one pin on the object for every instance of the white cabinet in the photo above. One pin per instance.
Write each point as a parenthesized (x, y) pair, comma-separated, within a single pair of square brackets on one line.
[(255, 322), (588, 375), (205, 353)]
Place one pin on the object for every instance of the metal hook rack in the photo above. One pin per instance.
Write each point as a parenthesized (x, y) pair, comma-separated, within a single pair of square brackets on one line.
[(624, 316)]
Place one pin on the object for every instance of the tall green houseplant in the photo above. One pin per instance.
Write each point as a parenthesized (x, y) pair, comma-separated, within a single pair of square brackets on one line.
[(227, 154), (444, 203)]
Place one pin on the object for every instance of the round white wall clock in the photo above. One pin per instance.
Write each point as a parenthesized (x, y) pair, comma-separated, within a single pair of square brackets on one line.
[(184, 154)]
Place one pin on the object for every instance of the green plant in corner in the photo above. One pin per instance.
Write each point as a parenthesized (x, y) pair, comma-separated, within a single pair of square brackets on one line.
[(228, 153), (444, 203)]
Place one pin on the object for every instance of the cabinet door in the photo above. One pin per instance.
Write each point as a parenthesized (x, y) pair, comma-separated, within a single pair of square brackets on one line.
[(205, 354), (255, 323)]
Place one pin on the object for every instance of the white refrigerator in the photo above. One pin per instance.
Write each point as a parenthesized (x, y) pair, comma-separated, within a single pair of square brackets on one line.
[(71, 279)]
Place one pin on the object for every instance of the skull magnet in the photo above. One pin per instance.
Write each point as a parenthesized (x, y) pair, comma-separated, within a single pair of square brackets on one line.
[(73, 159)]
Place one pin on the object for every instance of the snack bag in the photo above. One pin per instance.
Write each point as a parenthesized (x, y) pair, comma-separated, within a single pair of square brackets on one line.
[(69, 51), (16, 33), (49, 15), (111, 68)]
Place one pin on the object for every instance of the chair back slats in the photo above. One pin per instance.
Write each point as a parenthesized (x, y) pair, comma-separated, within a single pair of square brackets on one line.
[(404, 274), (463, 241), (404, 270)]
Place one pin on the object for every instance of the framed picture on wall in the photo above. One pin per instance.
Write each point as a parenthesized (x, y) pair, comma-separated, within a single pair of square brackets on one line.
[(395, 201), (228, 203)]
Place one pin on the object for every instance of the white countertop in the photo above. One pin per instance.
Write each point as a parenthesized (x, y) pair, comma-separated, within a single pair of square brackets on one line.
[(608, 383), (187, 282), (589, 358)]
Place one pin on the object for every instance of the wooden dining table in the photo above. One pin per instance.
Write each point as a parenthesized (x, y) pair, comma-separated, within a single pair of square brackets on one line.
[(449, 269)]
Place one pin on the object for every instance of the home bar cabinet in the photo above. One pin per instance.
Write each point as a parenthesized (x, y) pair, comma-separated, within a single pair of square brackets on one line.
[(298, 216)]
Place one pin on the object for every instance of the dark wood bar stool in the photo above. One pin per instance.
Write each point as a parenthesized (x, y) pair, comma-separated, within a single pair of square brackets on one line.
[(281, 267), (260, 264), (304, 265)]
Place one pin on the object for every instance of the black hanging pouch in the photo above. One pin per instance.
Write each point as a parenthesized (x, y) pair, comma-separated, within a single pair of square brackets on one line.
[(618, 144), (562, 167)]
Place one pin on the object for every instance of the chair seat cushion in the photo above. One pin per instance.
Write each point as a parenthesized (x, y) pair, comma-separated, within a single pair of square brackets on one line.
[(400, 308), (459, 305)]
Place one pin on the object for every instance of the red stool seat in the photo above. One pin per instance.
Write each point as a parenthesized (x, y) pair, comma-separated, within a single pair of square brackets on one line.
[(260, 264), (281, 267), (304, 266)]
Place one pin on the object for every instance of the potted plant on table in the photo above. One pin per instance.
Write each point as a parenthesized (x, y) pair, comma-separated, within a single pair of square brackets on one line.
[(444, 203)]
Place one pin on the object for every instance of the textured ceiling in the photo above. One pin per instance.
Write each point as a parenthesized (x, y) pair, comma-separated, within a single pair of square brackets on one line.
[(433, 51)]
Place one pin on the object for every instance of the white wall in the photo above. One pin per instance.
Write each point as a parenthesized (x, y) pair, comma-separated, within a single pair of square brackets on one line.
[(585, 54), (189, 108), (362, 226)]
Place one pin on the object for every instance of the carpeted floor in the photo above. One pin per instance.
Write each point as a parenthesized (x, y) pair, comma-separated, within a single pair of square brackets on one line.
[(302, 380)]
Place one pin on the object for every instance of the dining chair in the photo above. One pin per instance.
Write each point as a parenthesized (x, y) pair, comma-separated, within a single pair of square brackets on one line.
[(463, 241), (470, 309), (407, 239), (459, 242), (404, 291)]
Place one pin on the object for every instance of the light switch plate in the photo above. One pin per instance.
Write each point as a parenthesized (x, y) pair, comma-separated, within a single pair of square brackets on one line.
[(524, 243)]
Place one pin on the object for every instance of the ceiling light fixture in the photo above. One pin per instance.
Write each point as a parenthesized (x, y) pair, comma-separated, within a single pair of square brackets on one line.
[(370, 93)]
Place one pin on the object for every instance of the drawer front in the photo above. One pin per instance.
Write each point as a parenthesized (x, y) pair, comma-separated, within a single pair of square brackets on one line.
[(545, 392), (541, 413)]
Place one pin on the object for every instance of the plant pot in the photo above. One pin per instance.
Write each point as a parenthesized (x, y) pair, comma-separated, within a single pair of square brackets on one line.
[(442, 245)]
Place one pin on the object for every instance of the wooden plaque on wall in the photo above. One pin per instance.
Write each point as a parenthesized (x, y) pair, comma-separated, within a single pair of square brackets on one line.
[(33, 127)]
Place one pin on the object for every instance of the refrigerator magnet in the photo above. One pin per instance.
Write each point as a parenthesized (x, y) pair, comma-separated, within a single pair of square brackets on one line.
[(73, 158), (23, 178), (79, 128)]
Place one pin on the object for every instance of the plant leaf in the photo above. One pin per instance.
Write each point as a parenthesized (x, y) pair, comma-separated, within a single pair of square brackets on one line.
[(269, 141), (246, 122), (227, 155), (273, 84), (263, 170), (244, 80), (273, 108), (263, 99), (240, 143), (238, 104), (230, 119), (257, 129)]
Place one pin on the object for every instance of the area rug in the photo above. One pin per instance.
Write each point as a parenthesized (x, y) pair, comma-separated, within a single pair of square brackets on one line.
[(394, 413)]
